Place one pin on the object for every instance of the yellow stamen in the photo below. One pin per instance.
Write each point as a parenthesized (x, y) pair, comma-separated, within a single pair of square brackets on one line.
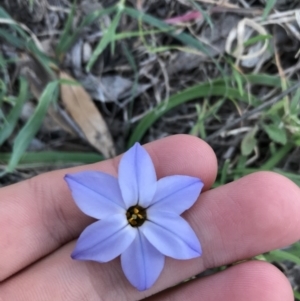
[(136, 216)]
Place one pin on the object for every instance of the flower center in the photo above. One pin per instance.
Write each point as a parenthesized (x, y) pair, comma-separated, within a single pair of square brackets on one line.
[(136, 216)]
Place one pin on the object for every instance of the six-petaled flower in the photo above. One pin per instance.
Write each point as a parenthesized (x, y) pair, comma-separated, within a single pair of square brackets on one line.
[(138, 217)]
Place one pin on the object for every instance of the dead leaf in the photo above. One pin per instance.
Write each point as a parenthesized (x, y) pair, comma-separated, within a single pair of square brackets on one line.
[(81, 107)]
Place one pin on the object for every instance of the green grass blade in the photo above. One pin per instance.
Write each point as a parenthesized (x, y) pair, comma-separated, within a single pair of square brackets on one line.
[(224, 172), (264, 80), (60, 47), (204, 13), (88, 20), (24, 41), (280, 255), (92, 17), (3, 91), (215, 88), (297, 295), (48, 158), (32, 126), (15, 112), (182, 37), (205, 112), (239, 80), (13, 25), (256, 39), (11, 39), (277, 157), (295, 103), (293, 177), (105, 40), (295, 249), (200, 90), (269, 6), (134, 34)]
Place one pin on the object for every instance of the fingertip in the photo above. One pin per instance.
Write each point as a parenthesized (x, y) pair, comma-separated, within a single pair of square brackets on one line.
[(247, 281), (278, 195), (253, 215), (262, 280)]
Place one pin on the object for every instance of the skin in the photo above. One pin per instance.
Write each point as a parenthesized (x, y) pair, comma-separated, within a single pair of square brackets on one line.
[(40, 222)]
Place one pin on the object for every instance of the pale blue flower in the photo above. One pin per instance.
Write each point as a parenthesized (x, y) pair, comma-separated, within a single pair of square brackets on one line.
[(138, 217)]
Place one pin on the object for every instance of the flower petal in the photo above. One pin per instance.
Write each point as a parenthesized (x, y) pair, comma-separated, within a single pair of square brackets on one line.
[(104, 240), (142, 263), (171, 235), (137, 177), (176, 193), (97, 194)]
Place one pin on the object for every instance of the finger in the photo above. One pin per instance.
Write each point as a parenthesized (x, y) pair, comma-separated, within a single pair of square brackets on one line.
[(249, 281), (39, 215), (239, 220), (256, 214)]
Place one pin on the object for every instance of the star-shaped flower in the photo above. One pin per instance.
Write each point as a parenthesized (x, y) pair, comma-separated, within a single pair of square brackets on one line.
[(138, 217)]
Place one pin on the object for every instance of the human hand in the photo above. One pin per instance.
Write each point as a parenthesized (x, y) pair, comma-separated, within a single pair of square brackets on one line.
[(39, 222)]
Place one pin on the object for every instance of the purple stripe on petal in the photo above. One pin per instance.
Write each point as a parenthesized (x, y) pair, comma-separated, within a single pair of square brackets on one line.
[(104, 240), (96, 194), (176, 194), (137, 177), (142, 263), (171, 235)]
